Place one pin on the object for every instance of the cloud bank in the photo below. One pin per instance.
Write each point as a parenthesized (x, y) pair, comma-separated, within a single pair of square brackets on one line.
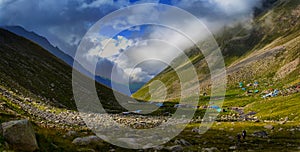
[(64, 23)]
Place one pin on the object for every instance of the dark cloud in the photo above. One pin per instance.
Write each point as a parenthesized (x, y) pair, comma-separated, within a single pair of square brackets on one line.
[(63, 22)]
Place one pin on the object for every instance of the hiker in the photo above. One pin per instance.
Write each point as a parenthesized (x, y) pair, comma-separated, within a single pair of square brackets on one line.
[(244, 134), (255, 84), (238, 139)]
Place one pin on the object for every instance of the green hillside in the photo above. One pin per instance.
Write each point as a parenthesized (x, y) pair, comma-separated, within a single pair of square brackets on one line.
[(263, 50)]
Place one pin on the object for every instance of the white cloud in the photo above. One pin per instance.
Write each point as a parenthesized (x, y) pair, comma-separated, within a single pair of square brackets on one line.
[(235, 7)]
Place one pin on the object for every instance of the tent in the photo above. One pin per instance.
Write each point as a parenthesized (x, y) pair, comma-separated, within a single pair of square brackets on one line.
[(159, 104), (241, 84)]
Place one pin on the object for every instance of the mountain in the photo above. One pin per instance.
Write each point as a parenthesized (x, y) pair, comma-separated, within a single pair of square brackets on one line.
[(266, 50), (42, 41), (30, 70)]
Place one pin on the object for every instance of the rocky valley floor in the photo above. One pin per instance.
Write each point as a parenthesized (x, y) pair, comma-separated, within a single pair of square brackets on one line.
[(58, 129)]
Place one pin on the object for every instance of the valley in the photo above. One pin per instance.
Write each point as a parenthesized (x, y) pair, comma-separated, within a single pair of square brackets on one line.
[(262, 98)]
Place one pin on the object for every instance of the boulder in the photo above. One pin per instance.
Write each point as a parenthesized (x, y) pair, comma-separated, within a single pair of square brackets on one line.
[(260, 134), (83, 141), (175, 148), (20, 135)]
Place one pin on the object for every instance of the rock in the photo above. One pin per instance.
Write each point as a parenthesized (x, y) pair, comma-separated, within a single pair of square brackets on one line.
[(196, 130), (20, 135), (175, 148), (282, 122), (71, 133), (212, 149), (269, 127), (260, 134), (160, 147), (83, 141), (185, 143), (232, 147), (182, 142)]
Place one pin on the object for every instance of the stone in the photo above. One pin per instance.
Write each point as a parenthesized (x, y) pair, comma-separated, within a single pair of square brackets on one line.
[(71, 133), (269, 127), (212, 149), (260, 134), (20, 135), (196, 130), (232, 147), (160, 147), (185, 143), (83, 141), (176, 148)]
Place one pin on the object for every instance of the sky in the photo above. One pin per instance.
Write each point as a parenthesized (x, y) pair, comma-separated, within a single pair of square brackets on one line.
[(65, 22)]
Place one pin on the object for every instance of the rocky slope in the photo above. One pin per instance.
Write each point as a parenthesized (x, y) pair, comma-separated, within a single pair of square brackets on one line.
[(28, 69)]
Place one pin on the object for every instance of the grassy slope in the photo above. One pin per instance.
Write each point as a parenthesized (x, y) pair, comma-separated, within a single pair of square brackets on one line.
[(276, 27)]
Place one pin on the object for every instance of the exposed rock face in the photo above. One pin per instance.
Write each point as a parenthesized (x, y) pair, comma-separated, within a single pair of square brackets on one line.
[(20, 135), (288, 68)]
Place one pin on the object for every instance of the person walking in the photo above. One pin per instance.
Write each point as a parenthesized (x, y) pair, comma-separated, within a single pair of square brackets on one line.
[(244, 133)]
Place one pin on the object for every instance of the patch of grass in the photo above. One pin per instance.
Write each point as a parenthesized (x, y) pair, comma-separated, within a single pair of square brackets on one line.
[(12, 106), (277, 108), (223, 135)]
